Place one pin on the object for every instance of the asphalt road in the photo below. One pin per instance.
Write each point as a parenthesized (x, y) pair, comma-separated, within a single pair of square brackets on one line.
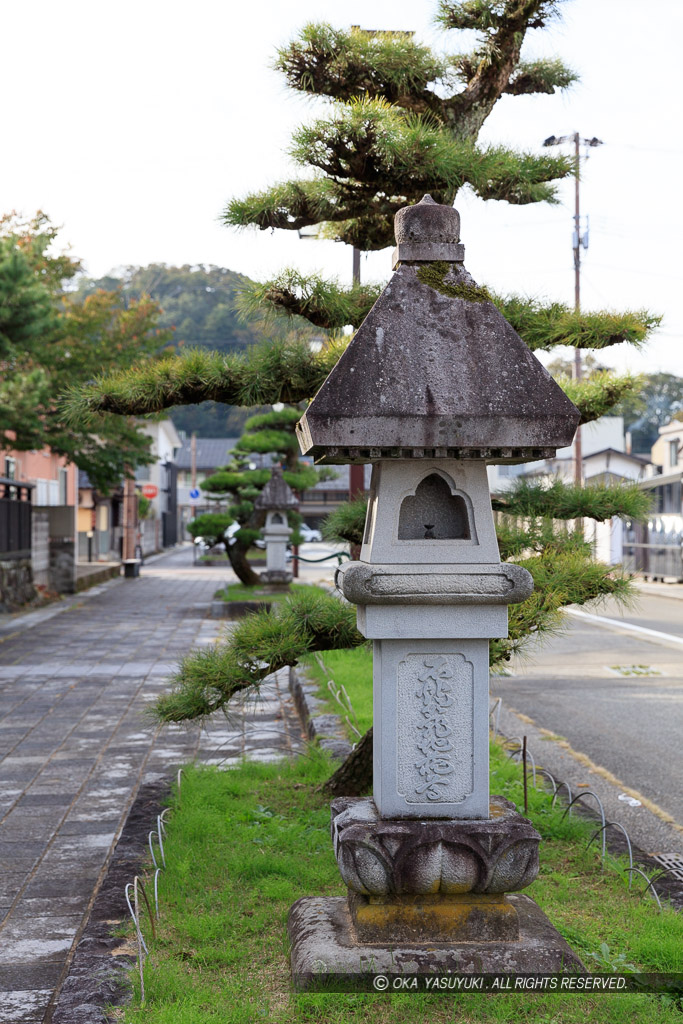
[(655, 609), (615, 697)]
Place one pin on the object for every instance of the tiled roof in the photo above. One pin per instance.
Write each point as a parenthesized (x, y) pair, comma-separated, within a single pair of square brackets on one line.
[(212, 452)]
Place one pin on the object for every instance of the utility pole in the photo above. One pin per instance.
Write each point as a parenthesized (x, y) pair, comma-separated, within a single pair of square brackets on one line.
[(356, 473), (578, 240), (131, 565), (193, 466)]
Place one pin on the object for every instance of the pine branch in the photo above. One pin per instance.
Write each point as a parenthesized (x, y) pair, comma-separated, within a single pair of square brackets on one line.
[(596, 395), (226, 480), (346, 523), (264, 441), (308, 620), (280, 371), (276, 419), (210, 525), (540, 76), (502, 25), (332, 306), (558, 500), (289, 204), (519, 538), (560, 579), (347, 65), (321, 301), (492, 15), (377, 158), (543, 326), (302, 479)]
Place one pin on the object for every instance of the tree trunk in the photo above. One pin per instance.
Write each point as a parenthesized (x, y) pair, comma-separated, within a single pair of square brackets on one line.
[(237, 553), (354, 776)]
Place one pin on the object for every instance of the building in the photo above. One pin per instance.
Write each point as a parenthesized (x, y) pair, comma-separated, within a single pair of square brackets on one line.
[(210, 454), (655, 547), (605, 460), (328, 495), (100, 522), (667, 451), (158, 483), (53, 496), (100, 516)]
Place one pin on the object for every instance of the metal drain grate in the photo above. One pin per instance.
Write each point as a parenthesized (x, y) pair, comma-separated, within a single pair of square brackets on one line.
[(672, 864)]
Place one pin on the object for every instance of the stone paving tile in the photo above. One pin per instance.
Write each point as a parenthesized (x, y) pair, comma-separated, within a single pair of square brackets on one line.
[(76, 747), (24, 1007), (37, 940)]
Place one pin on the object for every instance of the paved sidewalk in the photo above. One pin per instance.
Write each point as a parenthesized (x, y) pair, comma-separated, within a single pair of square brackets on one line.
[(75, 748)]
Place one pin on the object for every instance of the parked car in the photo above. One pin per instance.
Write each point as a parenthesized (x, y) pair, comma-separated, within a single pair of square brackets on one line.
[(309, 534)]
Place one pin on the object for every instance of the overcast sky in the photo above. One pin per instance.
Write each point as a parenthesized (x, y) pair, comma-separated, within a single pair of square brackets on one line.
[(132, 123)]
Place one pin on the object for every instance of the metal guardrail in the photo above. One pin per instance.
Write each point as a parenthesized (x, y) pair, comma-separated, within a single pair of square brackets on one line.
[(339, 555)]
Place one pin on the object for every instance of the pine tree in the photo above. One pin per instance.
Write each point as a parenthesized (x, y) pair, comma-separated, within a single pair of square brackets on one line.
[(404, 121), (50, 338), (241, 481)]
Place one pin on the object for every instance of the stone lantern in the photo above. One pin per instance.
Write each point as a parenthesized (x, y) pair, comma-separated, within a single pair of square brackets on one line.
[(434, 385), (275, 500)]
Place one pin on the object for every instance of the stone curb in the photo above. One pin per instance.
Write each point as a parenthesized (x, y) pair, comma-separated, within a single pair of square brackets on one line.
[(99, 975), (237, 609), (319, 724)]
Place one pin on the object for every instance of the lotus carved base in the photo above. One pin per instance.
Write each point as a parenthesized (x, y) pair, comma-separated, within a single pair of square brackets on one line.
[(381, 857)]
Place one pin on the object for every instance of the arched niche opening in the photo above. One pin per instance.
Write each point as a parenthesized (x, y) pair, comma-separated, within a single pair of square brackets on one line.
[(434, 513), (277, 519)]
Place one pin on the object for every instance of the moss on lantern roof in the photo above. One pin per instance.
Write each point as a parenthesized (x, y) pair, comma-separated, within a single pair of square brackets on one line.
[(434, 274), (435, 370)]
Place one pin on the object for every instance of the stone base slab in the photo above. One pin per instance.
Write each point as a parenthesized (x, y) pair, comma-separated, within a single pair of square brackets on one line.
[(438, 918), (277, 579), (324, 942)]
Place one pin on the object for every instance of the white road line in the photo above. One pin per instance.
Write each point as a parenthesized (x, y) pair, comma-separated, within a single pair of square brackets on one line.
[(628, 627)]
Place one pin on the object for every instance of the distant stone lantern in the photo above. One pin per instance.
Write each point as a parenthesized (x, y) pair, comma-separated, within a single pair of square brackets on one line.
[(275, 500), (434, 385)]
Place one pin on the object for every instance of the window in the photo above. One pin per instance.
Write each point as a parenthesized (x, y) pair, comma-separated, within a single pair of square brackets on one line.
[(673, 452), (433, 513), (10, 468)]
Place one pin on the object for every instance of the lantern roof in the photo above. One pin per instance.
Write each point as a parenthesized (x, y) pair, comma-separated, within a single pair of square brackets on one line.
[(435, 370), (277, 494)]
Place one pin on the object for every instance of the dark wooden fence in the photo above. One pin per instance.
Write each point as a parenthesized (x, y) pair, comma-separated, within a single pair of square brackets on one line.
[(15, 519)]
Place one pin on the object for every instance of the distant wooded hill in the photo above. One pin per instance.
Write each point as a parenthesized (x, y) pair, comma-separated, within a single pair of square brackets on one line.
[(198, 302)]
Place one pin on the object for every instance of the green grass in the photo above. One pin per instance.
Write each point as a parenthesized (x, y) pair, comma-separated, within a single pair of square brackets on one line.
[(240, 592), (245, 843), (353, 669), (253, 555)]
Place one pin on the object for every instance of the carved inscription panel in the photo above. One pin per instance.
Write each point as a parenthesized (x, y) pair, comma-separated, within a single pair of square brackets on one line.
[(434, 742)]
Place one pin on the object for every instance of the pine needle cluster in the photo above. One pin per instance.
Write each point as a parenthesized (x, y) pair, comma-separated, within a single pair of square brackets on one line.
[(308, 620)]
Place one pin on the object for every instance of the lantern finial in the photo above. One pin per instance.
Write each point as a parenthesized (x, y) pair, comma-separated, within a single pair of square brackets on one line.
[(426, 232)]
